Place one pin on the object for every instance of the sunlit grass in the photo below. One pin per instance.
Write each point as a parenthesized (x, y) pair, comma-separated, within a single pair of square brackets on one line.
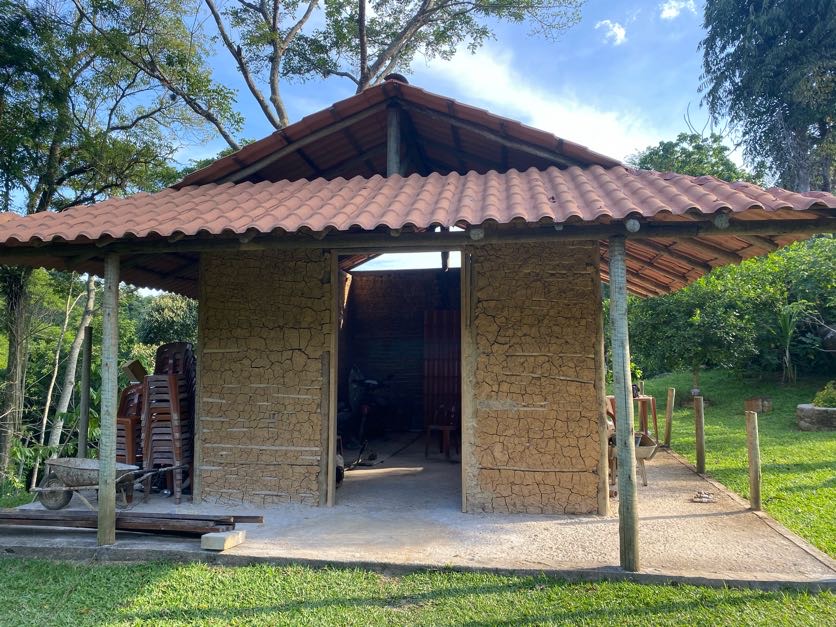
[(43, 593)]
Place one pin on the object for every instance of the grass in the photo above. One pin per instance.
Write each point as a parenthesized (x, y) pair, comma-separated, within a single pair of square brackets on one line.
[(12, 497), (46, 593), (798, 468)]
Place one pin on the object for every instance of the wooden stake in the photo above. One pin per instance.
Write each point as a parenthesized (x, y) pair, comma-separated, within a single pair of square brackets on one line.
[(628, 514), (393, 140), (468, 370), (669, 416), (699, 427), (753, 442), (84, 403), (107, 440)]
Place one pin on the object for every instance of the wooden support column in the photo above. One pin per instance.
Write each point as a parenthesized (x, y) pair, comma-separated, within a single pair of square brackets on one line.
[(601, 395), (628, 514), (107, 440), (393, 140), (336, 296), (84, 403)]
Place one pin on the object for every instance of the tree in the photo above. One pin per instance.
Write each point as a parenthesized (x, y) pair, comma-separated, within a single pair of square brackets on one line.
[(78, 123), (693, 154), (168, 318), (770, 68), (272, 40)]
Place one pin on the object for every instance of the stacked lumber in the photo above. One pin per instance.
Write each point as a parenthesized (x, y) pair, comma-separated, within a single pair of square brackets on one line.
[(146, 522)]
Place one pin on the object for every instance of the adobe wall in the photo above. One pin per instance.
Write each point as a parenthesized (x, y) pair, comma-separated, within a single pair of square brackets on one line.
[(264, 325), (531, 426)]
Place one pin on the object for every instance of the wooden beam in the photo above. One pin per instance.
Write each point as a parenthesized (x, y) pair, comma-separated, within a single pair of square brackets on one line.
[(300, 143), (722, 254), (393, 140), (431, 241), (601, 393), (673, 254), (543, 153), (760, 242), (628, 514), (107, 441)]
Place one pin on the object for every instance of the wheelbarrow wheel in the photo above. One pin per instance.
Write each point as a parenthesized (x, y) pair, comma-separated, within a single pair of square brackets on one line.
[(56, 499)]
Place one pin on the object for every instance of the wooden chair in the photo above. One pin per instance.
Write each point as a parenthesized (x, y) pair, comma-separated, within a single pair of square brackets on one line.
[(445, 422)]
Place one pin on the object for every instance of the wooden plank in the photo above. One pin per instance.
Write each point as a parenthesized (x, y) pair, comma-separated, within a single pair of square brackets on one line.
[(754, 450), (222, 541), (37, 514), (628, 515), (699, 429), (468, 368), (109, 399), (669, 416)]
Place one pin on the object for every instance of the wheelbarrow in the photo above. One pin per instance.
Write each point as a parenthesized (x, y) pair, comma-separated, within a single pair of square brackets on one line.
[(66, 475)]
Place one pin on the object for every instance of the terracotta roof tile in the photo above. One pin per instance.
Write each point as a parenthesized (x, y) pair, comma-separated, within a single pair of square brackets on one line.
[(587, 194)]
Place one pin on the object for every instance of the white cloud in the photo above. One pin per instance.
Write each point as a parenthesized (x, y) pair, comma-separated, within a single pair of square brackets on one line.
[(488, 79), (615, 32), (671, 9)]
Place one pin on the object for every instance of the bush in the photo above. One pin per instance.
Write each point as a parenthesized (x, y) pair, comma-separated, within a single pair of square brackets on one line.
[(826, 397)]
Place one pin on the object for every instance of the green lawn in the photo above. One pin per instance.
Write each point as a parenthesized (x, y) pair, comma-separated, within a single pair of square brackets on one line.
[(799, 468), (45, 593)]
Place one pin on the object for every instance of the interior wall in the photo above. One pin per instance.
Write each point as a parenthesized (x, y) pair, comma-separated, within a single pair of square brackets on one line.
[(384, 327), (531, 431), (265, 325)]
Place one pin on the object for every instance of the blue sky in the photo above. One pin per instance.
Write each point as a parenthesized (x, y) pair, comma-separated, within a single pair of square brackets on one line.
[(621, 79)]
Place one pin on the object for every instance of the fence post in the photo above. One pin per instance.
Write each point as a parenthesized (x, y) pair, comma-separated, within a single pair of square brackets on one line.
[(753, 442), (669, 416), (84, 405), (699, 424)]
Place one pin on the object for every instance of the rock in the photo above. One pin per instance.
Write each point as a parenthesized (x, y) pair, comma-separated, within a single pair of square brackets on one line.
[(222, 540), (812, 418)]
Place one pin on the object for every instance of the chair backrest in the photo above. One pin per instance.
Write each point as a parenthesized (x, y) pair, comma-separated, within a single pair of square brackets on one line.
[(611, 407), (130, 401)]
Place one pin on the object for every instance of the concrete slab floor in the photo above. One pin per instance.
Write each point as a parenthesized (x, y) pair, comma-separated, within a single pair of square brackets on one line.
[(405, 513)]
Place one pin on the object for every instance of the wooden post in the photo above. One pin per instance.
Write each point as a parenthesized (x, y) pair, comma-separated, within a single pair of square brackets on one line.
[(601, 396), (699, 427), (107, 440), (84, 404), (628, 514), (336, 299), (753, 442), (669, 416), (393, 140)]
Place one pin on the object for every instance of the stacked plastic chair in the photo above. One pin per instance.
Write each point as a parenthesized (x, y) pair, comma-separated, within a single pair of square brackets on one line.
[(128, 425), (168, 414)]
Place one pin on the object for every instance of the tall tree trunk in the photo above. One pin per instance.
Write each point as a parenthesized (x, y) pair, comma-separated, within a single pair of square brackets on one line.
[(55, 366), (14, 283), (72, 364)]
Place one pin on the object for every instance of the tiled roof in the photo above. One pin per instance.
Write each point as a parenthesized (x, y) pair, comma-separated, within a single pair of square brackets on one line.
[(577, 195), (450, 135), (585, 194)]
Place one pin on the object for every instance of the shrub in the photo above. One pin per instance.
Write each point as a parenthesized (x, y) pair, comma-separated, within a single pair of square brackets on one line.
[(826, 397)]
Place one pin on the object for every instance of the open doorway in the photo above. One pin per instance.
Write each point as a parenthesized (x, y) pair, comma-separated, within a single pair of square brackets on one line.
[(399, 380)]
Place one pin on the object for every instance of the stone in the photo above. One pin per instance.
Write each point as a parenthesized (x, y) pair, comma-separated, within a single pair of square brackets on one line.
[(812, 418)]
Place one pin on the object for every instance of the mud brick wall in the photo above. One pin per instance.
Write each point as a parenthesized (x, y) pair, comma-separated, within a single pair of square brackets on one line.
[(264, 324), (532, 436)]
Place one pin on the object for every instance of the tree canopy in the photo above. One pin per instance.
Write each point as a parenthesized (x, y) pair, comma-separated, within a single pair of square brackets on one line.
[(769, 66), (693, 154)]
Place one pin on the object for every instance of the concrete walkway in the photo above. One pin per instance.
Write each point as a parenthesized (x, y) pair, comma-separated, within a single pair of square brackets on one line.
[(404, 514)]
